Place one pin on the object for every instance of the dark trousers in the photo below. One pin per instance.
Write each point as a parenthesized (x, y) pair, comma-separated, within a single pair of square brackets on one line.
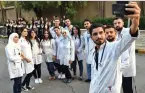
[(37, 71), (17, 85), (127, 84), (27, 79), (66, 71), (58, 67), (74, 66), (51, 69)]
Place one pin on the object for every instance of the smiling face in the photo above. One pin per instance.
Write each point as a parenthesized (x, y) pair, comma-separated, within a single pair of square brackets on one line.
[(75, 30), (46, 35), (16, 39), (33, 34), (24, 33)]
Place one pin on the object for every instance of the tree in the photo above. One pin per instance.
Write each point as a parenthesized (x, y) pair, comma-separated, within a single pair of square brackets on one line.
[(66, 7), (2, 10)]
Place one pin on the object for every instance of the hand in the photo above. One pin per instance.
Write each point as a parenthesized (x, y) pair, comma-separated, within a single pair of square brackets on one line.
[(135, 18), (54, 58), (28, 61), (70, 61)]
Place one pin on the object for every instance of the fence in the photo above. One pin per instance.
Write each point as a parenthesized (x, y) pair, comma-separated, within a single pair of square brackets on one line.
[(3, 31)]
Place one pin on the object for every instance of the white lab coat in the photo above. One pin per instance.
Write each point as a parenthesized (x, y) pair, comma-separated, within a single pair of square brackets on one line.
[(53, 32), (15, 64), (108, 73), (66, 52), (57, 41), (77, 43), (129, 66), (36, 53), (48, 48), (87, 44), (26, 50)]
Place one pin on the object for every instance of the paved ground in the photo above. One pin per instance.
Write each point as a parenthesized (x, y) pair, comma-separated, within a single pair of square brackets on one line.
[(57, 86)]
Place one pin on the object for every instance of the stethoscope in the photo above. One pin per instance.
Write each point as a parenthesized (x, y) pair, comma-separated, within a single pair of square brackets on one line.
[(100, 63)]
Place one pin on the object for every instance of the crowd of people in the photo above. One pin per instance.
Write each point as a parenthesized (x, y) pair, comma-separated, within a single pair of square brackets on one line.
[(109, 53)]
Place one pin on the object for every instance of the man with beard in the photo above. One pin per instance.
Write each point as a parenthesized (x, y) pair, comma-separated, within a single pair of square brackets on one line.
[(106, 74), (87, 43), (111, 36), (130, 72), (68, 25)]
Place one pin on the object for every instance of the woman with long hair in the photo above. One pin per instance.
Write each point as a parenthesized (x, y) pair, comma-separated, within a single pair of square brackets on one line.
[(79, 56), (28, 64), (37, 55), (48, 44)]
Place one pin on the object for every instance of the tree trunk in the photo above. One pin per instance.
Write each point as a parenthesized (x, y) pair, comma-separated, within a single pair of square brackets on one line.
[(2, 12)]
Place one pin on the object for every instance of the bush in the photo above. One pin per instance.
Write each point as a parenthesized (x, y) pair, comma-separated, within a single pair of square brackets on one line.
[(109, 21)]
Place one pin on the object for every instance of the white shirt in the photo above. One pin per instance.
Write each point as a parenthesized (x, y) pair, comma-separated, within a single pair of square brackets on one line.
[(108, 73), (26, 50), (66, 52), (53, 32), (87, 44), (36, 52), (15, 64), (48, 48), (77, 43), (128, 64)]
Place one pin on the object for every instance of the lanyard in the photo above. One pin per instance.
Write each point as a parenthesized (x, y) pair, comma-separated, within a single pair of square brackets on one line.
[(102, 54)]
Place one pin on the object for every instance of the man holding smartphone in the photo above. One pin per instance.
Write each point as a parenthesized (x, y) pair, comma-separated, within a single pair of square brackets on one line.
[(106, 74)]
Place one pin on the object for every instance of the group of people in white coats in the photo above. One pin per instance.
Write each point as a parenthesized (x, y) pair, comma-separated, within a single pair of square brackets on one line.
[(25, 56)]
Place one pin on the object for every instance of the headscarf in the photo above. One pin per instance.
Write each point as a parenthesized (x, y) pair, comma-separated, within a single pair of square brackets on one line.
[(68, 36), (11, 43)]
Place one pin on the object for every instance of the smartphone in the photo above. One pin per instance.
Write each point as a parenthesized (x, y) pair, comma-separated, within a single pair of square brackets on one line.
[(119, 10)]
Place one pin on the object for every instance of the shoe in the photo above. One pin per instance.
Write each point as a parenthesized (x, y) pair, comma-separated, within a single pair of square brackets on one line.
[(87, 80), (68, 81), (81, 78), (40, 80), (36, 81), (30, 88), (24, 89), (59, 76), (63, 76), (74, 77), (65, 81)]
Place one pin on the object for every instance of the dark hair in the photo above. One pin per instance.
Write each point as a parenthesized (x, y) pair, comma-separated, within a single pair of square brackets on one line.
[(57, 18), (56, 27), (27, 37), (118, 18), (93, 26), (67, 18), (87, 20), (79, 32), (37, 39), (109, 26), (49, 35)]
